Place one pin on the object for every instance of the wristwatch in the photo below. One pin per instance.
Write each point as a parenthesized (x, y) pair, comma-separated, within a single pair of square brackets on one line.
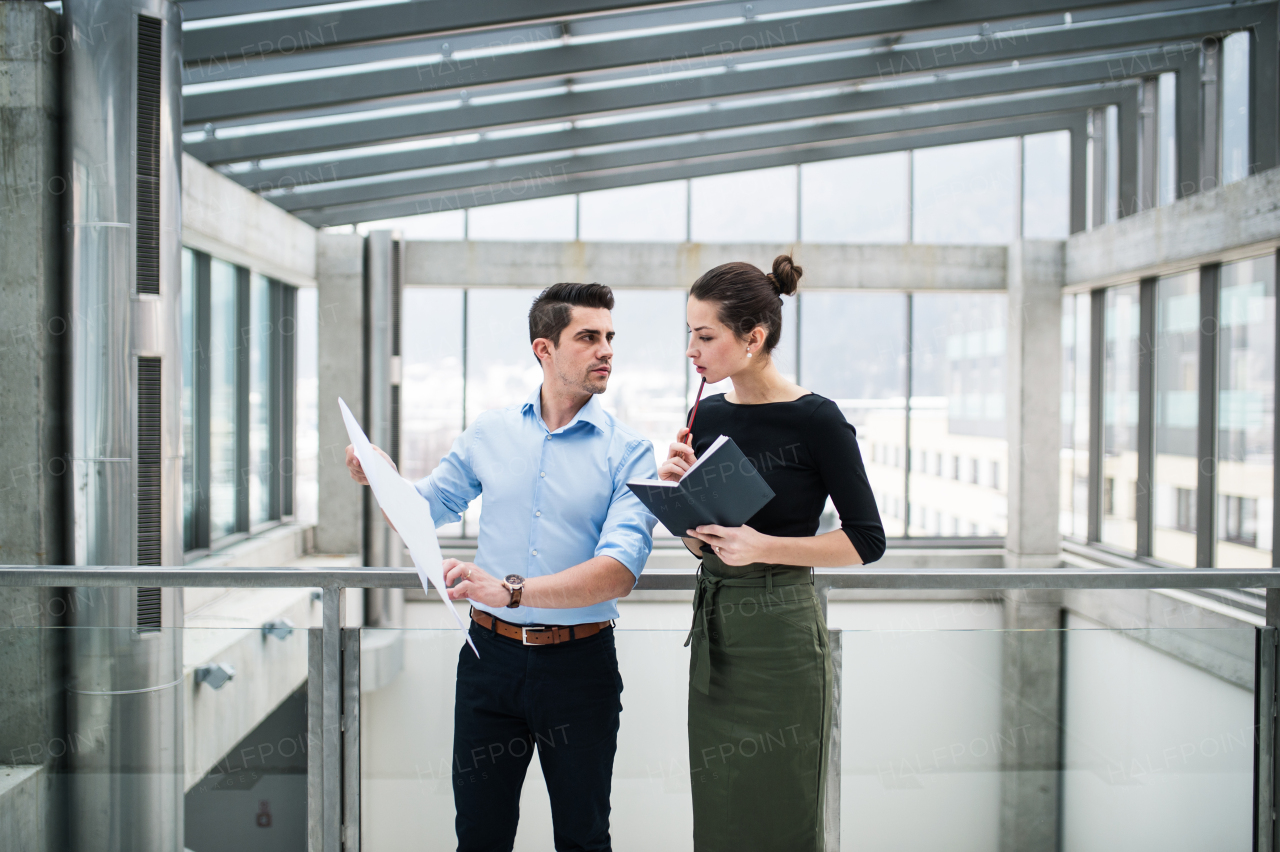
[(515, 585)]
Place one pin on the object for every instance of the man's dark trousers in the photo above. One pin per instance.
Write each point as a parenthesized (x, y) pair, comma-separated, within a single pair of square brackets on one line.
[(563, 700)]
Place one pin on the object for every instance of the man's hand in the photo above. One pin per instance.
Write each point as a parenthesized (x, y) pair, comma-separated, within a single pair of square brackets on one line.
[(475, 584), (353, 464)]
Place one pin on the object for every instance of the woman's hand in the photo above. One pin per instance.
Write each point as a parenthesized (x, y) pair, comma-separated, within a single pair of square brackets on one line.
[(476, 584), (736, 545), (680, 457)]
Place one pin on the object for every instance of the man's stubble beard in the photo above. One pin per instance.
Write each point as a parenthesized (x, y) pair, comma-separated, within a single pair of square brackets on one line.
[(585, 384)]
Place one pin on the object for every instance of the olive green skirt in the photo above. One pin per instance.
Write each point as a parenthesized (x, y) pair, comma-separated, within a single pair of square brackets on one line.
[(760, 685)]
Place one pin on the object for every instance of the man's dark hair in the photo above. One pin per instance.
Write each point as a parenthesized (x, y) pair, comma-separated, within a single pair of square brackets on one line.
[(554, 306)]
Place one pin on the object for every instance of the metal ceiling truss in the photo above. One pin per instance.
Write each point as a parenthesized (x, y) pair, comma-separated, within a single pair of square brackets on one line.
[(422, 17), (455, 104), (481, 195), (1179, 32), (671, 149), (1005, 81)]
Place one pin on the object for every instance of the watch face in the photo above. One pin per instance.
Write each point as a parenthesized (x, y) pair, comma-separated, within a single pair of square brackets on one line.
[(515, 579)]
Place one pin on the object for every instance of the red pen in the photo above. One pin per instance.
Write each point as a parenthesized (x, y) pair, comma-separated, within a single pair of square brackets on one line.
[(694, 412)]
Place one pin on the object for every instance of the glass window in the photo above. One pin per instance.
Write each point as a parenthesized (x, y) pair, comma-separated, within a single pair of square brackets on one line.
[(307, 400), (446, 225), (1246, 412), (1120, 417), (258, 338), (1235, 107), (1167, 136), (1046, 186), (501, 368), (223, 354), (653, 212), (745, 207), (536, 219), (1176, 418), (1073, 483), (853, 350), (647, 387), (188, 399), (855, 200), (957, 408), (431, 381), (965, 193)]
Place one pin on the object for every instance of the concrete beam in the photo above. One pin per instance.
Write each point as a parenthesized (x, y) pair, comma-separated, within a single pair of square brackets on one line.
[(226, 220), (677, 265), (340, 278), (1238, 220), (1032, 398)]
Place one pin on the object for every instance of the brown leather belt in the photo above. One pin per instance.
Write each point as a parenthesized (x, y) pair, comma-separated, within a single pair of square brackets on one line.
[(551, 634)]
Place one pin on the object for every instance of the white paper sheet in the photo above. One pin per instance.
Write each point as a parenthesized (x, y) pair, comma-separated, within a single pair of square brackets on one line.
[(408, 512)]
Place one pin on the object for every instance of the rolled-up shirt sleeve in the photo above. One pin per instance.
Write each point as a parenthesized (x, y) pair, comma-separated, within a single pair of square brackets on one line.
[(450, 488), (627, 534)]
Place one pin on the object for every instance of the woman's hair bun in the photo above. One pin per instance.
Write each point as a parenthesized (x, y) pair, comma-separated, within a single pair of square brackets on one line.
[(786, 275)]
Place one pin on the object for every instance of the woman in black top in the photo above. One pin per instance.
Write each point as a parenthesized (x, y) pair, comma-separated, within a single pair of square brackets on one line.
[(760, 676)]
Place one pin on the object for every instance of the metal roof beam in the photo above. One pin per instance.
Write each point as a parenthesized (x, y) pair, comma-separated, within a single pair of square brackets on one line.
[(667, 151), (1182, 30), (482, 195), (654, 53), (309, 30), (1031, 77)]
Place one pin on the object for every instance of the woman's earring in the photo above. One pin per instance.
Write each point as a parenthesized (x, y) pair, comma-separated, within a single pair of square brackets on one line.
[(748, 353)]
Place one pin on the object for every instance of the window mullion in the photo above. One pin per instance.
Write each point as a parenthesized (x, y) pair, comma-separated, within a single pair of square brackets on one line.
[(1207, 432), (1146, 414)]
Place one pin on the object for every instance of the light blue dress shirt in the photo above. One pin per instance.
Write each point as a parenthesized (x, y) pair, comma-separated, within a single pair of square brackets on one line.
[(552, 500)]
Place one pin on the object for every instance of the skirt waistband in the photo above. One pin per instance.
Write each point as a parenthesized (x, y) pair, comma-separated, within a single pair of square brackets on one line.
[(713, 575)]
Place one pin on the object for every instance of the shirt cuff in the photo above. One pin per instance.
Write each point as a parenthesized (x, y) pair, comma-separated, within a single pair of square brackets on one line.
[(632, 561)]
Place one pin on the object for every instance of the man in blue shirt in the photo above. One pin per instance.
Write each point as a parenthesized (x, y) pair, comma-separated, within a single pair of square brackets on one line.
[(561, 539)]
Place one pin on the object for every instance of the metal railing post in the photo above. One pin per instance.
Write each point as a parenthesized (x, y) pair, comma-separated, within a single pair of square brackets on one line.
[(1265, 762), (334, 601), (833, 752), (822, 585), (315, 740), (351, 739)]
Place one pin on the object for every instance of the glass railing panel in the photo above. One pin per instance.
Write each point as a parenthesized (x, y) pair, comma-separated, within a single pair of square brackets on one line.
[(973, 739), (991, 739), (154, 738)]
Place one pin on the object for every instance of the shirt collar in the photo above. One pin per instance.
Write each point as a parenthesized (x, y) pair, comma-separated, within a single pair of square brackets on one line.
[(593, 412)]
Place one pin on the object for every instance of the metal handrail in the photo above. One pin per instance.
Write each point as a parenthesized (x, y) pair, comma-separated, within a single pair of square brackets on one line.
[(657, 579)]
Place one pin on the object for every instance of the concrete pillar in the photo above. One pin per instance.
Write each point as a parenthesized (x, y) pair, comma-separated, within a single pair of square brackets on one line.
[(1030, 721), (1032, 648), (32, 333), (1033, 425), (340, 284)]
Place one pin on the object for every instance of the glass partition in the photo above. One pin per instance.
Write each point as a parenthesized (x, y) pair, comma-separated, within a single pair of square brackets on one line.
[(1120, 417), (959, 454), (1149, 739), (1177, 358), (949, 727), (1246, 413)]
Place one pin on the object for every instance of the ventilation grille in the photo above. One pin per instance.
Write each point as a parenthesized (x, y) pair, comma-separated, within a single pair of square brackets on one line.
[(395, 298), (148, 461), (148, 610), (148, 189)]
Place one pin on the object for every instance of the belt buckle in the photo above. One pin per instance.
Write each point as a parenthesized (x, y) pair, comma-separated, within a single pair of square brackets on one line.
[(524, 635)]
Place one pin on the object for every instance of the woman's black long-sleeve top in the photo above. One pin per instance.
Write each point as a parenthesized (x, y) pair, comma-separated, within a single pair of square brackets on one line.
[(805, 450)]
